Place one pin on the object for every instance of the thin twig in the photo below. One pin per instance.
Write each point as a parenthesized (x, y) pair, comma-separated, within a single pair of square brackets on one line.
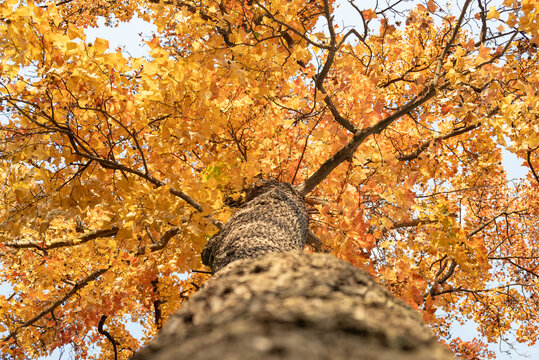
[(529, 152), (107, 335)]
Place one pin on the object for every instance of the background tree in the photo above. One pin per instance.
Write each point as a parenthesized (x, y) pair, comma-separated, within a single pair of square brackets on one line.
[(116, 170)]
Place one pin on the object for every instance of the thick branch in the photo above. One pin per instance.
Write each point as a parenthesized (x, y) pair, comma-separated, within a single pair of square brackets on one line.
[(404, 224), (320, 77), (440, 281), (94, 234), (411, 223), (359, 137), (158, 316), (333, 109)]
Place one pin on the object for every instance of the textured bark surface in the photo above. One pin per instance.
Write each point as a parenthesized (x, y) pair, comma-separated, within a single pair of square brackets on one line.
[(293, 306), (273, 219), (268, 300)]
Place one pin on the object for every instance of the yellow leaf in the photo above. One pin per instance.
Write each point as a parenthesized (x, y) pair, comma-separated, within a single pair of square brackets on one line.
[(493, 13), (483, 53), (100, 45)]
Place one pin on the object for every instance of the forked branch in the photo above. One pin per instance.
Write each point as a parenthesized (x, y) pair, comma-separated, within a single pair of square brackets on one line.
[(346, 152), (359, 137)]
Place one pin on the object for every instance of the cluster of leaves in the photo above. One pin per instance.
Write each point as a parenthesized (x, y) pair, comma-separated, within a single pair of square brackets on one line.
[(115, 169)]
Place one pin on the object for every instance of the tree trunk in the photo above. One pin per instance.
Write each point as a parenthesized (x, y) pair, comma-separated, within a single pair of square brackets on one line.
[(268, 300)]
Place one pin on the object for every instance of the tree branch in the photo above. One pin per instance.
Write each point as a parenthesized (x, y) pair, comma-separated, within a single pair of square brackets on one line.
[(78, 285), (440, 281), (94, 234), (529, 160), (438, 71), (107, 335), (359, 137), (163, 241), (333, 109), (294, 30), (425, 145), (487, 223), (314, 241), (522, 267), (158, 316), (113, 165)]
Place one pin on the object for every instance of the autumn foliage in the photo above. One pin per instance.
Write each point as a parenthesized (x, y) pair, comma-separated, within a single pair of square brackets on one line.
[(115, 170)]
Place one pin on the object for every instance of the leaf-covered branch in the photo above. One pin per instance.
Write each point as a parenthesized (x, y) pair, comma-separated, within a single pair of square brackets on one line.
[(359, 137), (91, 235), (49, 309), (425, 145)]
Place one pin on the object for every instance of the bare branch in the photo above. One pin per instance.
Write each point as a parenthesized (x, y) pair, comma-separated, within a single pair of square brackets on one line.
[(107, 335), (483, 15), (490, 221), (522, 268), (529, 160), (438, 71)]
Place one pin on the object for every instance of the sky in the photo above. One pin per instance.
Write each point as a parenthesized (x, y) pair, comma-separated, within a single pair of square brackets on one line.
[(128, 36)]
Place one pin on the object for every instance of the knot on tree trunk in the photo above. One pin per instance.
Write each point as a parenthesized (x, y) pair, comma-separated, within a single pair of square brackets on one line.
[(273, 219)]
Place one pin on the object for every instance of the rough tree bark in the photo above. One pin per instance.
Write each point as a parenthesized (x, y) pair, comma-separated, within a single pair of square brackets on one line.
[(268, 300)]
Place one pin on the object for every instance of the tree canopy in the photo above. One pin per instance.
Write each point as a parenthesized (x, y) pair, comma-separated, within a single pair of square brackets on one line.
[(116, 170)]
